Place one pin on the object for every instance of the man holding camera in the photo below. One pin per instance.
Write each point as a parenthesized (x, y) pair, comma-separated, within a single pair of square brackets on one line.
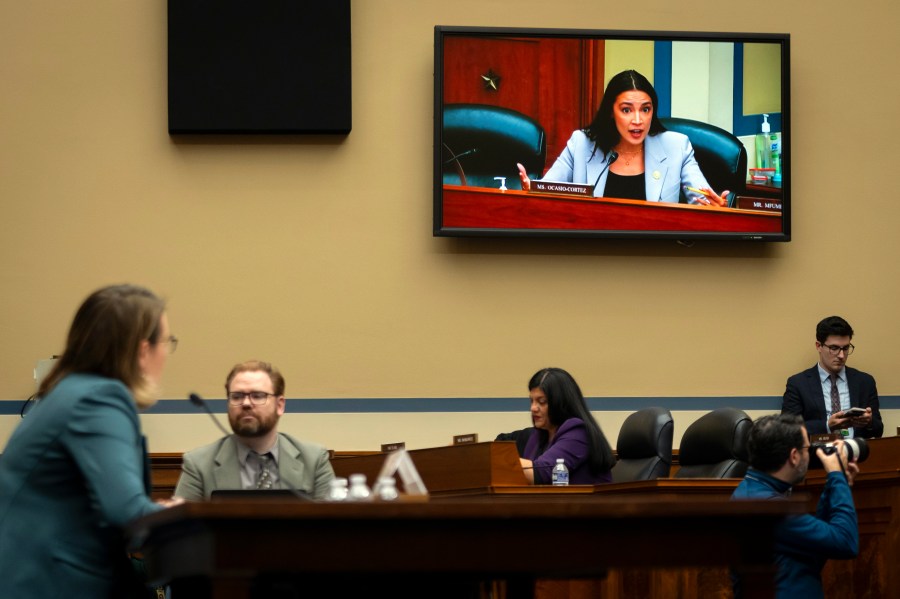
[(779, 458), (831, 397)]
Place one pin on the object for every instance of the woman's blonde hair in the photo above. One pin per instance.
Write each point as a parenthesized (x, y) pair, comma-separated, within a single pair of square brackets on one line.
[(105, 339)]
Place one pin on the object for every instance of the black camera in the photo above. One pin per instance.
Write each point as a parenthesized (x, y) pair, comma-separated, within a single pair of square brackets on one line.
[(854, 449)]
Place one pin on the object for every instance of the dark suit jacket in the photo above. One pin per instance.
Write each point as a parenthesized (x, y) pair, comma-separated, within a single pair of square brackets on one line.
[(803, 395)]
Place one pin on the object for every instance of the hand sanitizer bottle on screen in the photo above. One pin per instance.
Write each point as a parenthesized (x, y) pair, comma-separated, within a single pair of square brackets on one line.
[(560, 473), (762, 145)]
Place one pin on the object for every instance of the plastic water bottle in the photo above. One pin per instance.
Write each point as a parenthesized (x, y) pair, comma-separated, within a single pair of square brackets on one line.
[(337, 490), (359, 490), (386, 489), (560, 473)]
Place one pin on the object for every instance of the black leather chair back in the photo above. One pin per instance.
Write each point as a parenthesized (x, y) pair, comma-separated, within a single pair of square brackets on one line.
[(481, 142), (644, 446), (715, 446), (721, 156)]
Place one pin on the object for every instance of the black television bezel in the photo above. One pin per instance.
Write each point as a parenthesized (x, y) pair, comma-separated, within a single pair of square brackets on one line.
[(439, 230)]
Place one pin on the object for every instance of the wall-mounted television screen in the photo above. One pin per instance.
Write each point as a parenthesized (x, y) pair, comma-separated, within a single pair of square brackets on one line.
[(622, 134)]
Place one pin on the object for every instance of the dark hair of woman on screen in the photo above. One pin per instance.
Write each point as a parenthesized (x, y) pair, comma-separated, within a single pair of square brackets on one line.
[(564, 428)]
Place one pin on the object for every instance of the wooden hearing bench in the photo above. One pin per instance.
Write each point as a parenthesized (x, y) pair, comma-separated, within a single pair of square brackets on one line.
[(637, 539)]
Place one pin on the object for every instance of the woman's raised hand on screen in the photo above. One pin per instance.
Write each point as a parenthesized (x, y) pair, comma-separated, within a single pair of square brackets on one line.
[(711, 198), (523, 177)]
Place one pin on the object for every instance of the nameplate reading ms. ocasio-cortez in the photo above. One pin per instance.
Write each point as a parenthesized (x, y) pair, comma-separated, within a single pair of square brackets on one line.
[(576, 189)]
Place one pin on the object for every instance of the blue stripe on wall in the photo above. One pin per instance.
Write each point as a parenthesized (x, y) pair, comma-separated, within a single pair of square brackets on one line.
[(475, 404), (662, 77)]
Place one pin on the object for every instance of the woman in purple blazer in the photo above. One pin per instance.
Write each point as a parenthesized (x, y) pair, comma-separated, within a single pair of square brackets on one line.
[(564, 428)]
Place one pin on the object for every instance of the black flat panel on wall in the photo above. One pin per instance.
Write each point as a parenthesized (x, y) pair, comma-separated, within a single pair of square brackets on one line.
[(259, 66)]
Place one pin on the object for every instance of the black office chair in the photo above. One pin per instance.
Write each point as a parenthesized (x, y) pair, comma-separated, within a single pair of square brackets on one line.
[(721, 156), (715, 446), (480, 142), (644, 446)]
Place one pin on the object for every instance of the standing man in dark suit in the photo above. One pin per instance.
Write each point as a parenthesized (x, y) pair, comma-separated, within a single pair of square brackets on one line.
[(824, 394), (256, 456)]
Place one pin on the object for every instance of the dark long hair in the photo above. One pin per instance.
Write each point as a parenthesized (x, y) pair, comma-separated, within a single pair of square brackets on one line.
[(564, 401), (602, 130)]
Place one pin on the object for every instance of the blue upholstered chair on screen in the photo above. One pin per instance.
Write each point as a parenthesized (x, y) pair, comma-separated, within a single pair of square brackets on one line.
[(480, 142), (715, 445), (721, 156), (644, 446)]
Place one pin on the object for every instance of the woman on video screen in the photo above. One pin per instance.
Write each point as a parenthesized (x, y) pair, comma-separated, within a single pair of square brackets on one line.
[(627, 153)]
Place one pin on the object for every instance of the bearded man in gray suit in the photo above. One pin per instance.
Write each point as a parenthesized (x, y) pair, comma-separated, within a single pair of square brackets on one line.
[(256, 456)]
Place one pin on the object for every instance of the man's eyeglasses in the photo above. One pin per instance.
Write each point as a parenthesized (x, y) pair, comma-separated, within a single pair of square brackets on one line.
[(836, 349), (257, 398)]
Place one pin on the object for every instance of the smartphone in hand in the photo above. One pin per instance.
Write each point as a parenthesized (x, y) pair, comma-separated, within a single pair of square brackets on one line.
[(854, 412)]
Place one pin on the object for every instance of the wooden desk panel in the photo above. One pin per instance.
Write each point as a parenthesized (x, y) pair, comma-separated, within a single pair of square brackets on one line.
[(234, 542), (492, 471), (478, 207), (472, 468)]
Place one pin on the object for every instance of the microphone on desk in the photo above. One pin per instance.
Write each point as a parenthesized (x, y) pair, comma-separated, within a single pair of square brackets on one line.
[(613, 156), (201, 403)]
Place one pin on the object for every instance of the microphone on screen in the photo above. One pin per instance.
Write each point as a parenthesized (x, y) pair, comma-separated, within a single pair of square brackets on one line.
[(456, 157), (613, 156), (201, 403)]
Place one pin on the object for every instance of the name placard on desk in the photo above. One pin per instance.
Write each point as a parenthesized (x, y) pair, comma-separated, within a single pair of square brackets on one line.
[(577, 189), (751, 203), (389, 447), (464, 439)]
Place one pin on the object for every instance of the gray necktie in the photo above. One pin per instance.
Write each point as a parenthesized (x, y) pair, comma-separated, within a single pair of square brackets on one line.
[(265, 476)]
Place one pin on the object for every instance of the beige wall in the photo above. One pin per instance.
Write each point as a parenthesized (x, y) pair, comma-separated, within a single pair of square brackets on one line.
[(316, 252)]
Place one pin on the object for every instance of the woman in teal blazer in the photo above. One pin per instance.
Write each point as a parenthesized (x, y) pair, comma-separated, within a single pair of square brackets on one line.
[(73, 472)]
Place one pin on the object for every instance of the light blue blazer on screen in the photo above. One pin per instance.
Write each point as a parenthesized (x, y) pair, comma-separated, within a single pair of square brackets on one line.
[(669, 164), (71, 476)]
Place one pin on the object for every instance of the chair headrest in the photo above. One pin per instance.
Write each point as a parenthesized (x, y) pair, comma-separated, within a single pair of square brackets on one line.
[(646, 433), (721, 155), (494, 128), (717, 436)]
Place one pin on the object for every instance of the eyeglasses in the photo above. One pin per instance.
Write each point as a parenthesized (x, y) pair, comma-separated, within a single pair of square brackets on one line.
[(172, 340), (836, 349), (257, 398)]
